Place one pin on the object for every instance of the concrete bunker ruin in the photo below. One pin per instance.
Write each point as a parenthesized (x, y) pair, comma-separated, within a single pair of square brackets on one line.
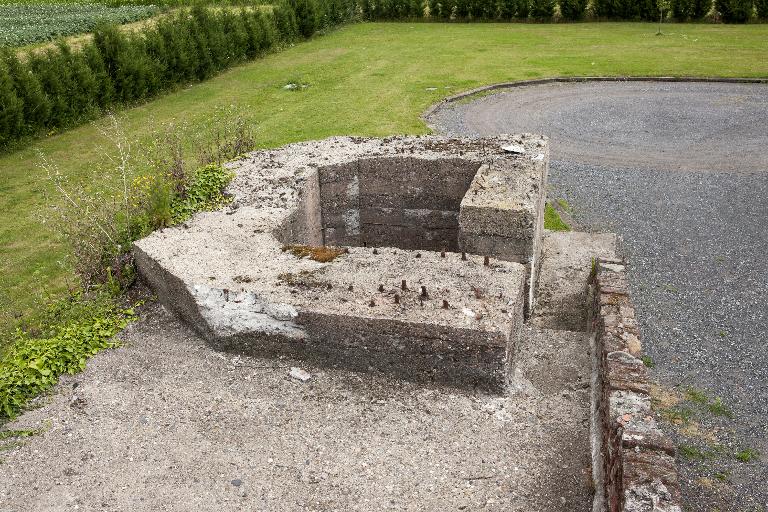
[(441, 246)]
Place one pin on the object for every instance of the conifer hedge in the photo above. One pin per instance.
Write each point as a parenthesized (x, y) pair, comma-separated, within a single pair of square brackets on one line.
[(734, 11), (543, 10), (762, 9), (683, 10), (63, 87)]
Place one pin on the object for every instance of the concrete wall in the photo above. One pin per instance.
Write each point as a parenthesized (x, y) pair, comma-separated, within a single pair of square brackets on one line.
[(303, 225), (404, 202)]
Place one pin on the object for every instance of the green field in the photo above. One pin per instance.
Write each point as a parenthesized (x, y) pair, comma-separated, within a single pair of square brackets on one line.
[(364, 79), (26, 23)]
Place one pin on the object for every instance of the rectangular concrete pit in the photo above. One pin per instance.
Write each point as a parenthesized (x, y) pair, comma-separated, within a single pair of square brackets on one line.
[(404, 202)]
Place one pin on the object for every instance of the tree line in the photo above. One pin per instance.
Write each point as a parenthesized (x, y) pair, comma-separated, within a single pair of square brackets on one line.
[(62, 86), (732, 11)]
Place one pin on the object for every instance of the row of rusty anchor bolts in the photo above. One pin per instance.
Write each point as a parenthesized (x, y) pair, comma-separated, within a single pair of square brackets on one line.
[(404, 286), (424, 294), (486, 259)]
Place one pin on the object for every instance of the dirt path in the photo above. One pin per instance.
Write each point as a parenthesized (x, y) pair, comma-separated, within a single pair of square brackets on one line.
[(165, 423)]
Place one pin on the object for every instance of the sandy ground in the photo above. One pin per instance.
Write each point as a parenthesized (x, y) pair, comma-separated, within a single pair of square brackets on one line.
[(166, 423)]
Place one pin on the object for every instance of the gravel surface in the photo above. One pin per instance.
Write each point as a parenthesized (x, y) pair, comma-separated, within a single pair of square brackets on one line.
[(697, 244), (652, 125), (165, 423)]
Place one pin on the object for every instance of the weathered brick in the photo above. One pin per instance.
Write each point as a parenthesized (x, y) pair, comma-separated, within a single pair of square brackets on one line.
[(643, 467), (651, 439), (638, 460)]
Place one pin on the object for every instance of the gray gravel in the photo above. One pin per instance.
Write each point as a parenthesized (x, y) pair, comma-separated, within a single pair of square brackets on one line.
[(696, 240), (652, 125)]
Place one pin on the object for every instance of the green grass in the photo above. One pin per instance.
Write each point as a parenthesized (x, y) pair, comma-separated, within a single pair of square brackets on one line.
[(747, 455), (678, 415), (364, 79), (692, 452), (718, 408), (552, 220), (696, 396)]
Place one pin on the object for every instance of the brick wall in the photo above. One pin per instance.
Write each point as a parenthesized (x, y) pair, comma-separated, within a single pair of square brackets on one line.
[(638, 464)]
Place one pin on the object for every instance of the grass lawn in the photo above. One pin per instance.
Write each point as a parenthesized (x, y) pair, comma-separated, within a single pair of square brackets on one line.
[(365, 79)]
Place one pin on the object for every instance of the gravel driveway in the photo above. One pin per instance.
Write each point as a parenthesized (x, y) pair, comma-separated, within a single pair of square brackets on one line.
[(678, 170)]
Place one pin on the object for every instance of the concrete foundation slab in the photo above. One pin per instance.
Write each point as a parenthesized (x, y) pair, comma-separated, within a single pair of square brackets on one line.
[(397, 297)]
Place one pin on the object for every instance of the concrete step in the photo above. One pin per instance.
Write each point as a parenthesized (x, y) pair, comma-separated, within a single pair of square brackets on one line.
[(561, 295), (552, 362)]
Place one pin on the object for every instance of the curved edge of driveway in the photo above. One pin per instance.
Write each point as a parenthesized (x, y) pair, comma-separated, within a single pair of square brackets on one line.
[(565, 79)]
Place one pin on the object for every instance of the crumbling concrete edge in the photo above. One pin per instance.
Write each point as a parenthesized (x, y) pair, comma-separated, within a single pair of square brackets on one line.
[(633, 461), (567, 79)]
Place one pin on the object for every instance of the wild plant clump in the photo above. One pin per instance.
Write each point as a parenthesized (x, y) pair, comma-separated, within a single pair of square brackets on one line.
[(146, 186), (76, 329)]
